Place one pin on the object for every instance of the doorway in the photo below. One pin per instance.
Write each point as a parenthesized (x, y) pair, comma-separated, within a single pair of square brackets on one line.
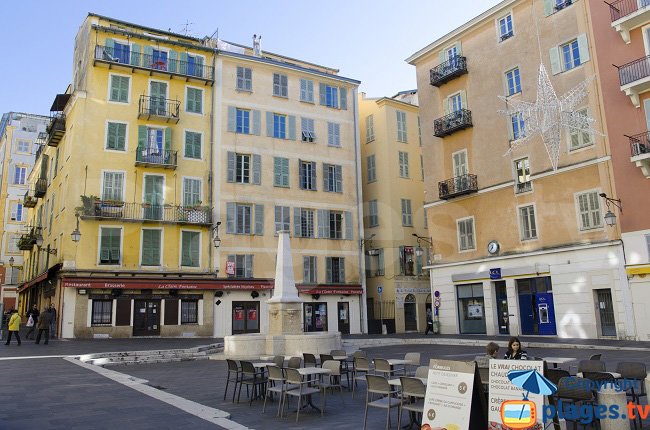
[(606, 312), (536, 306), (344, 317), (245, 317), (502, 307), (315, 316), (146, 318), (153, 196), (410, 313)]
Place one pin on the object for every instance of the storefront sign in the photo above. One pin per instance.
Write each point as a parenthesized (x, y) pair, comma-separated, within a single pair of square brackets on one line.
[(448, 399), (158, 284), (407, 290), (230, 267), (502, 390), (495, 273), (349, 289)]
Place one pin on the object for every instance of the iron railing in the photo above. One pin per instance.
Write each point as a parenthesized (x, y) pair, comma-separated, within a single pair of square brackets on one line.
[(562, 5), (455, 121), (158, 107), (634, 70), (640, 144), (622, 8), (30, 199), (152, 156), (153, 62), (524, 187), (39, 151), (27, 241), (40, 187), (450, 69), (56, 129), (457, 186), (106, 209)]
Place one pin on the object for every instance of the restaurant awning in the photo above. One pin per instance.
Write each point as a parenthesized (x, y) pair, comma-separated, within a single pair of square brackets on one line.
[(331, 289), (168, 284)]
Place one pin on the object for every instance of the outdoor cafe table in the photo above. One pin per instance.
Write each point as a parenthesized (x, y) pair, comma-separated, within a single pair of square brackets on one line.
[(559, 360), (309, 372), (263, 365)]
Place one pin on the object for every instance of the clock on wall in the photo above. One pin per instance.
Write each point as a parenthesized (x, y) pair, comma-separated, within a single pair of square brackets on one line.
[(493, 247)]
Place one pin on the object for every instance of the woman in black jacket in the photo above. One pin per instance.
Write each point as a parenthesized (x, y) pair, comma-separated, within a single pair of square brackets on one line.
[(514, 350)]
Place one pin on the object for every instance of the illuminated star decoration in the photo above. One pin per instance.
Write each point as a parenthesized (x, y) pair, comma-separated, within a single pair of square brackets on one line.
[(549, 114)]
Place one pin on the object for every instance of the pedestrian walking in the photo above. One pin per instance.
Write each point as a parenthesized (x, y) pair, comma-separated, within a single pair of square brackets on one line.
[(429, 322), (44, 323), (53, 324), (33, 316), (514, 350), (14, 327)]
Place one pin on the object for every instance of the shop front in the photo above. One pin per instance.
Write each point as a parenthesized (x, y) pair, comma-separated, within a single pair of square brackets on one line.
[(331, 308)]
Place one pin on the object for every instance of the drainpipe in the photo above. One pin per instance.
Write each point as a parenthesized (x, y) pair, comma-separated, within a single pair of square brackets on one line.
[(357, 153), (210, 182)]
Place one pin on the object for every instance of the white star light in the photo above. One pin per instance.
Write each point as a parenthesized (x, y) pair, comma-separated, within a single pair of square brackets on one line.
[(549, 115)]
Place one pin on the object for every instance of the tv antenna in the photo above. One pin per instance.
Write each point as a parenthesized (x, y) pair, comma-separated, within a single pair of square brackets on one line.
[(185, 28)]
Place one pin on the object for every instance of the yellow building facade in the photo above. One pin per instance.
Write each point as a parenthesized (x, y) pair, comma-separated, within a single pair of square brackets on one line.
[(397, 238)]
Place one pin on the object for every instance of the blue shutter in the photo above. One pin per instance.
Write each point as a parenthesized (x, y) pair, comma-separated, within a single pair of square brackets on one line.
[(338, 172), (230, 218), (232, 119), (231, 166), (269, 124), (344, 98), (257, 123), (172, 61), (259, 219), (297, 222), (135, 54), (323, 96), (347, 219), (292, 127), (257, 169)]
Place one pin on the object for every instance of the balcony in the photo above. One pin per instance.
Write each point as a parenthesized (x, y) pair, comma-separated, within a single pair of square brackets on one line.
[(455, 121), (158, 109), (634, 78), (30, 199), (56, 129), (561, 5), (109, 56), (458, 186), (523, 187), (154, 157), (40, 187), (629, 14), (640, 146), (93, 208), (27, 241), (450, 69)]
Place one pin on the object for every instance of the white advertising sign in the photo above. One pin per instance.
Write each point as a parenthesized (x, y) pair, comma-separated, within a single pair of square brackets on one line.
[(448, 399)]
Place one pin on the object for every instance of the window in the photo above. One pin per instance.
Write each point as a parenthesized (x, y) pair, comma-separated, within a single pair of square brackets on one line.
[(333, 178), (19, 175), (370, 128), (465, 234), (279, 126), (102, 312), (16, 212), (159, 59), (116, 136), (243, 168), (151, 244), (243, 118), (329, 96), (403, 164), (244, 79), (570, 55), (113, 186), (527, 222), (194, 100), (372, 170), (23, 146), (308, 175), (513, 81), (243, 266), (305, 222), (419, 131), (193, 145), (120, 52), (401, 126), (522, 171), (243, 219), (335, 225), (422, 167), (373, 211), (12, 246), (306, 91), (280, 85), (518, 126), (455, 102), (407, 217), (194, 65), (49, 228), (109, 246), (561, 4), (471, 307), (589, 210), (505, 28), (119, 89), (282, 218), (309, 269), (307, 129), (281, 172), (333, 134), (190, 248), (189, 311), (335, 268), (191, 192), (580, 139)]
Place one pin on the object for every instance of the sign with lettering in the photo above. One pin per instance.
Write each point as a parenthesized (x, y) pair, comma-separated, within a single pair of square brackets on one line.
[(448, 398), (160, 284), (495, 273), (230, 267)]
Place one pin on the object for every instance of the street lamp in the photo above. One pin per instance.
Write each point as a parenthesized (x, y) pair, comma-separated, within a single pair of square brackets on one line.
[(610, 217), (419, 251), (39, 240), (76, 234), (216, 239)]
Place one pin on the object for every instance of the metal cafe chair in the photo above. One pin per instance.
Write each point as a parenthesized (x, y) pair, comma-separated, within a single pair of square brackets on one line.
[(251, 377), (361, 368), (294, 363), (277, 384), (302, 389), (234, 375), (379, 385), (412, 398), (309, 359)]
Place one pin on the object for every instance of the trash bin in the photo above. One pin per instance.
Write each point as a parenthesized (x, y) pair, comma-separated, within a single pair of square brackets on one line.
[(610, 397), (436, 327)]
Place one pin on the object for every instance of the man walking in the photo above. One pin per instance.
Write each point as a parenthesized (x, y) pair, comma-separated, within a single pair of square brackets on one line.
[(429, 322), (53, 323), (14, 327), (34, 313), (44, 326)]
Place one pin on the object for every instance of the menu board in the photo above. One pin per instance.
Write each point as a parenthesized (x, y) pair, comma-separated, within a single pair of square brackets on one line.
[(501, 390), (448, 399)]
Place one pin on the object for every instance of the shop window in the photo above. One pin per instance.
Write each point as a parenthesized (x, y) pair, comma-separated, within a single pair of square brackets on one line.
[(189, 311), (102, 312), (471, 309), (315, 316)]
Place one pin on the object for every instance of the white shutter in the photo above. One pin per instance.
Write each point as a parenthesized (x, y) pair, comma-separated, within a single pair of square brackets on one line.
[(556, 65), (583, 48)]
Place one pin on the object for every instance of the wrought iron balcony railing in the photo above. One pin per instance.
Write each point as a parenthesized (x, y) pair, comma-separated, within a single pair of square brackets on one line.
[(153, 62), (634, 70), (154, 157), (450, 69), (640, 144), (452, 123), (56, 129), (458, 186), (523, 187), (27, 241), (622, 8), (159, 108), (30, 199), (40, 187), (106, 209)]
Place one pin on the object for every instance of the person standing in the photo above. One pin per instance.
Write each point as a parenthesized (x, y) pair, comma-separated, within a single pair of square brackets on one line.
[(14, 327), (53, 323), (33, 313), (514, 350), (44, 324), (491, 350), (429, 322)]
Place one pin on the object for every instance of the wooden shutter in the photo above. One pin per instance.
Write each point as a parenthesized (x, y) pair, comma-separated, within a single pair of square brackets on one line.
[(323, 95), (257, 169), (342, 270), (297, 222), (231, 166), (171, 311), (172, 57), (168, 138), (123, 312), (135, 54), (230, 218), (232, 119), (142, 137), (269, 124), (549, 7), (259, 220), (257, 122), (328, 269), (344, 98), (347, 219), (313, 175), (323, 223), (292, 127), (338, 178), (556, 65), (248, 266), (583, 48)]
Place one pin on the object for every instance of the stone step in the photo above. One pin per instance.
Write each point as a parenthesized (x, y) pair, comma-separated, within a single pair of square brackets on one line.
[(203, 352)]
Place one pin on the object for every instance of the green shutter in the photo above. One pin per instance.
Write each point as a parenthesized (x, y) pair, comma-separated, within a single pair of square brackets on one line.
[(194, 249), (230, 218), (549, 6), (344, 98), (342, 270), (198, 68), (148, 56), (328, 269), (269, 124), (257, 169), (110, 47), (463, 101), (338, 179), (168, 139), (285, 172), (556, 65), (172, 60), (323, 95), (297, 226), (277, 171), (111, 138), (142, 137), (347, 219), (248, 266), (135, 54), (150, 247), (124, 89)]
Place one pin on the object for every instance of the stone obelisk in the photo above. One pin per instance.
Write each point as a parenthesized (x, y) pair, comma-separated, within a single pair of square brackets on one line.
[(285, 307)]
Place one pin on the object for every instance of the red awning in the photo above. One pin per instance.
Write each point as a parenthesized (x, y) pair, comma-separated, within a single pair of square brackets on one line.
[(331, 289), (168, 284)]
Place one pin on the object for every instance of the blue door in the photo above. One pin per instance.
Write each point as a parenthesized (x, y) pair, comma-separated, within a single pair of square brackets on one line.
[(526, 314), (191, 65), (545, 313), (121, 53)]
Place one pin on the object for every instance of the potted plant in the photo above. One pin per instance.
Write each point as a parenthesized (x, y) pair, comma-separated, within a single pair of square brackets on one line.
[(112, 208), (89, 206)]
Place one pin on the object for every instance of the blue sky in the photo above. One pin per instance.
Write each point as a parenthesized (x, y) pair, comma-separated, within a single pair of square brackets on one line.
[(366, 40)]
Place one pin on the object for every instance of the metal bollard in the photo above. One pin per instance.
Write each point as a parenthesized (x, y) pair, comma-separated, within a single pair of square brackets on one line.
[(609, 397)]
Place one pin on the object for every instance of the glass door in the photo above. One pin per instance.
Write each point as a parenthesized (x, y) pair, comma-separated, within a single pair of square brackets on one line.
[(344, 317), (315, 316), (606, 312), (153, 197), (245, 317), (158, 93), (146, 318), (502, 307)]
